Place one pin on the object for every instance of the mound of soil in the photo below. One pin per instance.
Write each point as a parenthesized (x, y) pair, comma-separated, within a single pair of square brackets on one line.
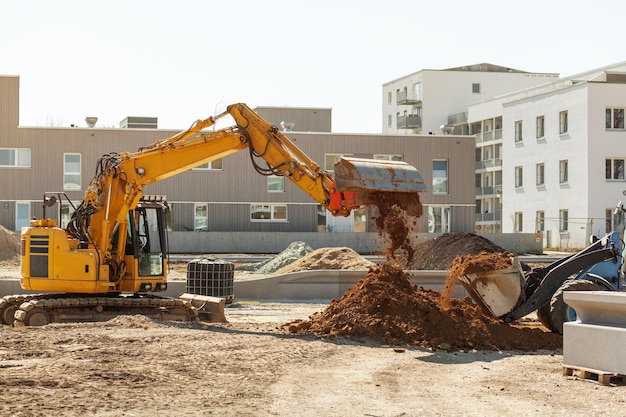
[(9, 244), (438, 253), (328, 258), (387, 308), (292, 253)]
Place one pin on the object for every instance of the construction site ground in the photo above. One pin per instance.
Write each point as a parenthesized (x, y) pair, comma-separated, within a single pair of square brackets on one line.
[(254, 365), (132, 366)]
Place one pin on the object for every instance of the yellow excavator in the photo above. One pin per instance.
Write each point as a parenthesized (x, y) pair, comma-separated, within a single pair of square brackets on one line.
[(105, 263)]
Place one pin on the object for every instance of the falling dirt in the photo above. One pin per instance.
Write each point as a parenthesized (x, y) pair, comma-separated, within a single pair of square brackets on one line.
[(473, 264), (395, 226), (385, 307)]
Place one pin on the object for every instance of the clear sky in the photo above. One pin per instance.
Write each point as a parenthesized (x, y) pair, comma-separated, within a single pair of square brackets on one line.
[(187, 59)]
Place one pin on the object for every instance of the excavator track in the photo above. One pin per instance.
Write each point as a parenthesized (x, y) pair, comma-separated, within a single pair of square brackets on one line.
[(42, 309)]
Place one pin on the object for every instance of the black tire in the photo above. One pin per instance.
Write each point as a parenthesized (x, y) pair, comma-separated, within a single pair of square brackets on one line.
[(560, 311), (543, 315)]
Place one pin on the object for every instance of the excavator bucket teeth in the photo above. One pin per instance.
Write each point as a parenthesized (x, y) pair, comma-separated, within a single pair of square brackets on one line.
[(496, 292), (368, 178)]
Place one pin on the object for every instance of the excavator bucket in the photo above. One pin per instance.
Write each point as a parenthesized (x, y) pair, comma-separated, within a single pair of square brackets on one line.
[(496, 292), (368, 179), (210, 309)]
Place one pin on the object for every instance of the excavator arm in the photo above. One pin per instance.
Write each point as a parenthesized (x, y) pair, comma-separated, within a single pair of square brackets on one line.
[(120, 178)]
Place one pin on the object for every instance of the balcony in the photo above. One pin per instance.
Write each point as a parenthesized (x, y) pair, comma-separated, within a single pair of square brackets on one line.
[(489, 191), (489, 163), (410, 121), (402, 99)]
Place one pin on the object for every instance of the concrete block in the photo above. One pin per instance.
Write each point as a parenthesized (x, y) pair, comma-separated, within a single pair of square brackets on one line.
[(594, 347), (593, 341)]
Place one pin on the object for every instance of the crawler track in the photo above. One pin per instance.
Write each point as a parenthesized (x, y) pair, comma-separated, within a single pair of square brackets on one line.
[(42, 309)]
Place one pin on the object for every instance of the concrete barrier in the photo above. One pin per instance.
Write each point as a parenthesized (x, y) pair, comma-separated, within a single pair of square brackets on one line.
[(592, 342), (316, 285)]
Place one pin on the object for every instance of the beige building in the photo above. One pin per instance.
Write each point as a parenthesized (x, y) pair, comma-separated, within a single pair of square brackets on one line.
[(229, 195)]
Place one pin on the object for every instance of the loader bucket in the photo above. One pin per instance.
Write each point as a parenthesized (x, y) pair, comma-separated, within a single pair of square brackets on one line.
[(496, 292), (368, 177), (210, 309)]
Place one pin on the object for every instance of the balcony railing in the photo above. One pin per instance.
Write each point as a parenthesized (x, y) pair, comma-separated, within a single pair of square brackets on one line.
[(411, 121), (402, 98), (489, 191), (489, 163), (487, 136), (458, 118), (488, 217)]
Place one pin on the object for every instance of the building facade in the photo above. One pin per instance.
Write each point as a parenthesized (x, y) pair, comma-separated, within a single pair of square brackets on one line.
[(436, 102), (226, 194), (562, 156)]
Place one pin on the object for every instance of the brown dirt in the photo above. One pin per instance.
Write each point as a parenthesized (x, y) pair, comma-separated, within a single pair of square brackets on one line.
[(438, 253), (328, 258), (472, 264), (387, 308)]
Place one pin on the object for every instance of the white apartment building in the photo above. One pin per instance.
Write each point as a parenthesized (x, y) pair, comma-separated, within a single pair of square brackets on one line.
[(437, 101), (423, 102), (563, 156)]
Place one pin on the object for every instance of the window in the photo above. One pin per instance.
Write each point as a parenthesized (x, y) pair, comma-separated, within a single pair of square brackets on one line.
[(541, 217), (563, 175), (214, 165), (67, 210), (519, 221), (614, 169), (614, 220), (200, 217), (519, 174), (388, 120), (387, 157), (518, 131), (563, 122), (275, 184), (563, 221), (18, 157), (331, 158), (389, 97), (71, 171), (268, 212), (540, 174), (476, 88), (440, 177), (22, 215), (614, 118), (540, 127), (438, 219)]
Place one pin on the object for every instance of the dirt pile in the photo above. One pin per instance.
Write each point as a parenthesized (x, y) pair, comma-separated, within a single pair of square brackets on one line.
[(292, 253), (438, 253), (9, 244), (387, 308), (328, 258)]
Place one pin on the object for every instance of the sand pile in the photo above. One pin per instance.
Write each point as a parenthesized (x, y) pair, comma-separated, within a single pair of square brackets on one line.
[(292, 253), (9, 244), (387, 308), (328, 258)]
